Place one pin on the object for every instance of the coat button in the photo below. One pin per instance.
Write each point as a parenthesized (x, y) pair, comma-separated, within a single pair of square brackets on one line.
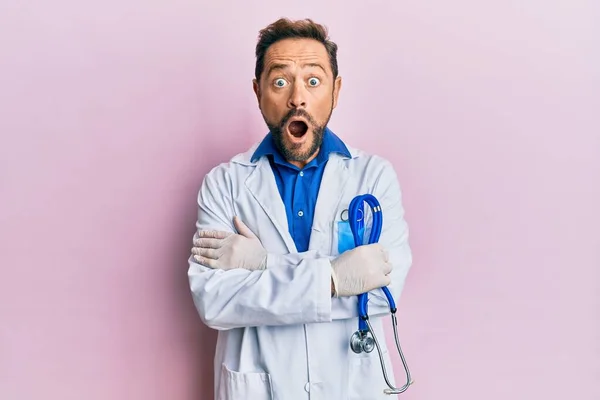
[(307, 387)]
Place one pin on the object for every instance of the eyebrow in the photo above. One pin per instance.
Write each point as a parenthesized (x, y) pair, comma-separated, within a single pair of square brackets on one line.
[(275, 67)]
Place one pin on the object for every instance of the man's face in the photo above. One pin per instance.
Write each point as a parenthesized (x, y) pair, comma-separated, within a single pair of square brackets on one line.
[(296, 95)]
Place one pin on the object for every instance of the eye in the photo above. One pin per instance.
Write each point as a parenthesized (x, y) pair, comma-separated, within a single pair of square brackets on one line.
[(280, 82), (314, 81)]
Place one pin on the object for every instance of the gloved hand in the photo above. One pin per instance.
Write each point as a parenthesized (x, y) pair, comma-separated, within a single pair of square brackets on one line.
[(226, 250), (360, 270)]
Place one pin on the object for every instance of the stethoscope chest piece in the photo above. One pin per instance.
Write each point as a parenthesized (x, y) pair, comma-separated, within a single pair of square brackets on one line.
[(362, 342)]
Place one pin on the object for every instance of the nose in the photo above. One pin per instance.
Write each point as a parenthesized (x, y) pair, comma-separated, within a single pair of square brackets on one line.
[(297, 96)]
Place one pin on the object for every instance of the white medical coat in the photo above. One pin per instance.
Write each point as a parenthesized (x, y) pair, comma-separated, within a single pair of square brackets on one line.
[(281, 334)]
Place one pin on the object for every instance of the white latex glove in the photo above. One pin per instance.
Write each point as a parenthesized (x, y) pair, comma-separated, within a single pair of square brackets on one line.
[(360, 270), (226, 250)]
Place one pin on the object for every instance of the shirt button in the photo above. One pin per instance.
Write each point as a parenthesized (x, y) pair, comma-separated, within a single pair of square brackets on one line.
[(301, 173), (300, 213), (307, 387)]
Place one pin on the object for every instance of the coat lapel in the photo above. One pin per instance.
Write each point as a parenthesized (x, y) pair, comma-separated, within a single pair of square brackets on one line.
[(263, 187), (331, 191)]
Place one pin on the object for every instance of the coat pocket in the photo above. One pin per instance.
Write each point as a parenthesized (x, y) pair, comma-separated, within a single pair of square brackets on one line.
[(342, 238), (244, 385), (366, 380)]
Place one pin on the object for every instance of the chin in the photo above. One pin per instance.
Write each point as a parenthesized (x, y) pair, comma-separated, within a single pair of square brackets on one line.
[(297, 149)]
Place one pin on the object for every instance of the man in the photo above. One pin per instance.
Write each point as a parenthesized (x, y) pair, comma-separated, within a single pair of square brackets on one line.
[(282, 291)]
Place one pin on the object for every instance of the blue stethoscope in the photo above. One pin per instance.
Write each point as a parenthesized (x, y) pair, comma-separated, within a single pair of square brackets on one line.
[(361, 341)]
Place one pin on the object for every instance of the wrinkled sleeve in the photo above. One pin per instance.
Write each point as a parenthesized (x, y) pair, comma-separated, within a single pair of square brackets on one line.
[(293, 289)]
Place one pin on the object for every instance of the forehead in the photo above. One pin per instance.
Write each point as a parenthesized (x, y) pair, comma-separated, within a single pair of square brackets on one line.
[(291, 51)]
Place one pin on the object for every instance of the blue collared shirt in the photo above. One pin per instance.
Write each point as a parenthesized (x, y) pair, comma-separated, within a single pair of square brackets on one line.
[(299, 188)]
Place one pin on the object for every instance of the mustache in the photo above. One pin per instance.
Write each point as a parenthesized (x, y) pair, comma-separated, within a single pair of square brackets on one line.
[(297, 112)]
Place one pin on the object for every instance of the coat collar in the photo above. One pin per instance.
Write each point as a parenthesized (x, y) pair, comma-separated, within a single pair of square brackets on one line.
[(261, 184)]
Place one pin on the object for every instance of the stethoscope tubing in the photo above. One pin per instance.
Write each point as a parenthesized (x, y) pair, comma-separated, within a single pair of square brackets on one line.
[(356, 216)]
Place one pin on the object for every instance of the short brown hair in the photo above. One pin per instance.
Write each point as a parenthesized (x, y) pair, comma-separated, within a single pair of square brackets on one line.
[(284, 28)]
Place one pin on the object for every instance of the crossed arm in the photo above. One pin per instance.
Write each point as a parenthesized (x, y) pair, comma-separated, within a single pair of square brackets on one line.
[(251, 287)]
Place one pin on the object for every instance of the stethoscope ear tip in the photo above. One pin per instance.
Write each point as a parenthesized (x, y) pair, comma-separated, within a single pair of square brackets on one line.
[(398, 391)]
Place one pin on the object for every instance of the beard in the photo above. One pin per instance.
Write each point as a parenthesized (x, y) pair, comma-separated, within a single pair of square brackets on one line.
[(293, 152)]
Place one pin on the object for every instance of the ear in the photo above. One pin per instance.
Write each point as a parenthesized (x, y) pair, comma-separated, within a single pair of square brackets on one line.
[(256, 87), (337, 85)]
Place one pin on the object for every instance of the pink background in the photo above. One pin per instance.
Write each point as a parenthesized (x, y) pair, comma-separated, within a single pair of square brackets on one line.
[(112, 112)]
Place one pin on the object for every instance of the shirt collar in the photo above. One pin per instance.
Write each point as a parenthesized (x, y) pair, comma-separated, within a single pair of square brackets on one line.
[(331, 144)]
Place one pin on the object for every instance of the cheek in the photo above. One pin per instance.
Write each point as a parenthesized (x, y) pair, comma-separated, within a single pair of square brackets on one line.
[(270, 107), (323, 108)]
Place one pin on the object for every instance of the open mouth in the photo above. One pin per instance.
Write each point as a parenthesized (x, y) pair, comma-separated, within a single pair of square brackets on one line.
[(297, 128)]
